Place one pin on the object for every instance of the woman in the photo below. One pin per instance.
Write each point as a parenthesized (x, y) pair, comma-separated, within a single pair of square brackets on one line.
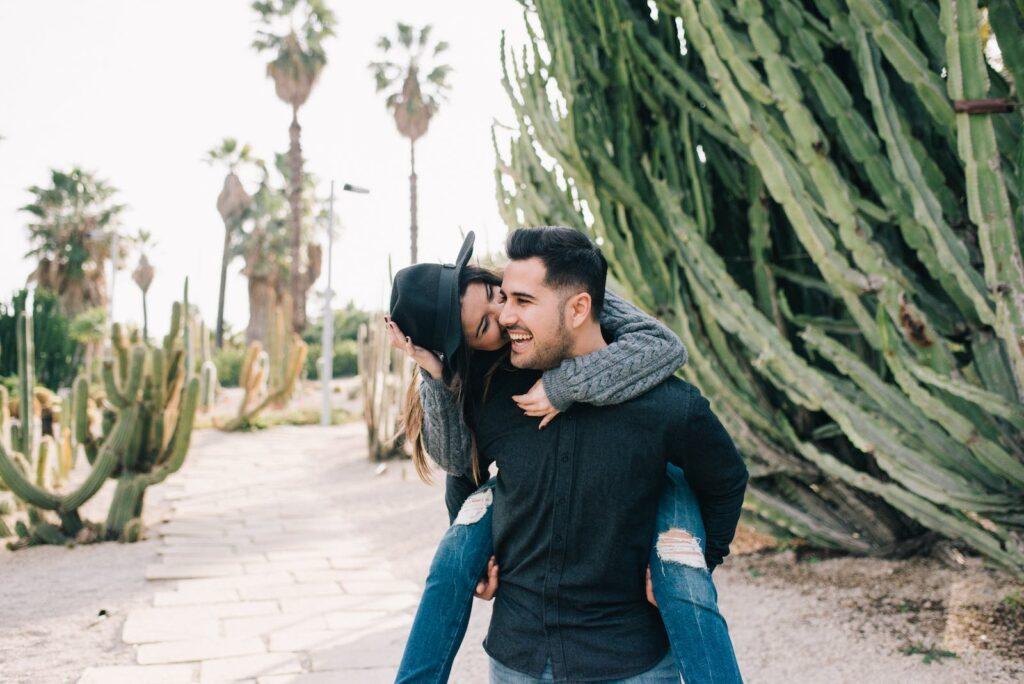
[(454, 310)]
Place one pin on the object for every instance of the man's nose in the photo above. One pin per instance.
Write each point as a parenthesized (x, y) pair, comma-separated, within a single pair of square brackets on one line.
[(506, 317)]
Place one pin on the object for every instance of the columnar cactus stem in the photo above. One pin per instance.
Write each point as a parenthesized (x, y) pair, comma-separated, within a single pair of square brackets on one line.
[(26, 382)]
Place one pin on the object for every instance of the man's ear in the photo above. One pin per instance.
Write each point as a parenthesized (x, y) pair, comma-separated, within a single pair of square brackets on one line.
[(578, 308)]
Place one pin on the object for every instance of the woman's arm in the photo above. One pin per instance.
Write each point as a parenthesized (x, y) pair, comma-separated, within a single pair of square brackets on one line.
[(642, 354), (446, 437)]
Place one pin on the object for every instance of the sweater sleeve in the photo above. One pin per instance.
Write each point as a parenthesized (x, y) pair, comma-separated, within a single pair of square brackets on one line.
[(445, 434), (714, 469), (642, 354)]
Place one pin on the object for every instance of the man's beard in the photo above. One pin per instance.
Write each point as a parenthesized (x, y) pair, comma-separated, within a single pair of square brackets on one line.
[(551, 355)]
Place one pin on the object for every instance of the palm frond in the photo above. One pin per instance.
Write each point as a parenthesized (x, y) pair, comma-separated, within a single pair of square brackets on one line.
[(405, 35)]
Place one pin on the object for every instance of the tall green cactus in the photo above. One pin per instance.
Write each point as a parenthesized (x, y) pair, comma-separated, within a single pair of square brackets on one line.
[(148, 416), (787, 185)]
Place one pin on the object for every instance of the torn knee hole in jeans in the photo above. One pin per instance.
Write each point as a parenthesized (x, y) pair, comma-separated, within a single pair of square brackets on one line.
[(679, 546), (474, 507)]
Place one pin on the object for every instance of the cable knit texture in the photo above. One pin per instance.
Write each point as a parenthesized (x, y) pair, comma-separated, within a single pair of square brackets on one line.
[(642, 353)]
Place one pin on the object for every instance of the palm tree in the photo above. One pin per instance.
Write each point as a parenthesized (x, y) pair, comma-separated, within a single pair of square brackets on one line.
[(298, 59), (231, 204), (264, 242), (71, 237), (143, 276), (412, 100)]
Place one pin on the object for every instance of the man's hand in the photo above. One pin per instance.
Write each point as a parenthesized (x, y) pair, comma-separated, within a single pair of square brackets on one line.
[(535, 403), (488, 585), (650, 589), (424, 358)]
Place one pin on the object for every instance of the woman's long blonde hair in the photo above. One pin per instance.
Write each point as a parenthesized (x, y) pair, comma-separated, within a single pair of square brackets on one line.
[(455, 372)]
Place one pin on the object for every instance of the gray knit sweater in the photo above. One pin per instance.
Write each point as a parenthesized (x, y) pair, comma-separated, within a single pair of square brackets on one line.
[(643, 352)]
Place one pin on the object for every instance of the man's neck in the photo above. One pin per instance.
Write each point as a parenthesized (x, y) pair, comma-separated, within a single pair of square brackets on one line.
[(588, 339)]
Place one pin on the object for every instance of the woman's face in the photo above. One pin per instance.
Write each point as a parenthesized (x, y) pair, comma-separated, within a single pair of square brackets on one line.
[(481, 306)]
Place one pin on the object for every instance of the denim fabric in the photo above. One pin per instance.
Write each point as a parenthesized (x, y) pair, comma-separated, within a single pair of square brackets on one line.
[(443, 613), (664, 672), (686, 595)]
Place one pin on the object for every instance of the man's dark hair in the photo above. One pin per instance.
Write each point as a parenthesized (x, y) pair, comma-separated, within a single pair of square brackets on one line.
[(569, 256)]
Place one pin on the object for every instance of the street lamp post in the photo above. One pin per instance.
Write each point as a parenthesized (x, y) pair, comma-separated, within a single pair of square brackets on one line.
[(327, 338)]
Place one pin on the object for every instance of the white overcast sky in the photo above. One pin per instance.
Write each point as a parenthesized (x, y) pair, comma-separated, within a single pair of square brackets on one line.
[(138, 90)]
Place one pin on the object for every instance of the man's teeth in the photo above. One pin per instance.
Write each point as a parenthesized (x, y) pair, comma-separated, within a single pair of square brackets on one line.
[(520, 337)]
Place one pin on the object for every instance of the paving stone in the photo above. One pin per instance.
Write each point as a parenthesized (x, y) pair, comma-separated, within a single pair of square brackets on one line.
[(196, 550), (354, 619), (353, 562), (288, 591), (134, 674), (192, 597), (295, 555), (247, 667), (143, 628), (179, 540), (377, 675), (394, 587), (287, 565), (356, 655), (187, 571), (269, 624), (188, 529), (235, 582), (392, 602), (198, 649), (324, 604)]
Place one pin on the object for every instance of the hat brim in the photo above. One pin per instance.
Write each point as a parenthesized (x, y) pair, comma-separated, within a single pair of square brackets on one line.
[(453, 332)]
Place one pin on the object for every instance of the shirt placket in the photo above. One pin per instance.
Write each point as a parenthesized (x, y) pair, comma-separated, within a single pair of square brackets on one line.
[(556, 556)]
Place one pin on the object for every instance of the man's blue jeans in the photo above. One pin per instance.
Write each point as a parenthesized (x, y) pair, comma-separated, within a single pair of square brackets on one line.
[(683, 588)]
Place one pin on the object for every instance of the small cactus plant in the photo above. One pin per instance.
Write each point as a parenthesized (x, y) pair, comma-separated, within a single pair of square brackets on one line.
[(269, 378), (207, 372)]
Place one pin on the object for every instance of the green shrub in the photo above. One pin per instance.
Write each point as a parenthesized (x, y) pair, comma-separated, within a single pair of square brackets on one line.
[(344, 364), (229, 365)]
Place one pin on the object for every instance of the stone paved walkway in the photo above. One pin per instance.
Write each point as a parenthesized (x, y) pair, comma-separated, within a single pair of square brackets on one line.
[(273, 573)]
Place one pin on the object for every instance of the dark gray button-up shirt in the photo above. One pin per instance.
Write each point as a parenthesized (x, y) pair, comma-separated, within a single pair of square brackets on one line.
[(574, 519)]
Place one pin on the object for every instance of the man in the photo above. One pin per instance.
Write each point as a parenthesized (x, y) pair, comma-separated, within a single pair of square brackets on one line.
[(575, 504)]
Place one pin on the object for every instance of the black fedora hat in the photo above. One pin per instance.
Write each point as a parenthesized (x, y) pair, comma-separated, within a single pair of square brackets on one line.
[(425, 302)]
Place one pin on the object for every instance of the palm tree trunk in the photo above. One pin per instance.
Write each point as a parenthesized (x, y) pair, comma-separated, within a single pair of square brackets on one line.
[(223, 286), (145, 319), (414, 228), (295, 201), (262, 302)]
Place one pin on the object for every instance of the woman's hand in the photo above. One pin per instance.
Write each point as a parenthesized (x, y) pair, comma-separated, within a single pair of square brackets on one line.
[(535, 403), (424, 358), (488, 584), (650, 589)]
